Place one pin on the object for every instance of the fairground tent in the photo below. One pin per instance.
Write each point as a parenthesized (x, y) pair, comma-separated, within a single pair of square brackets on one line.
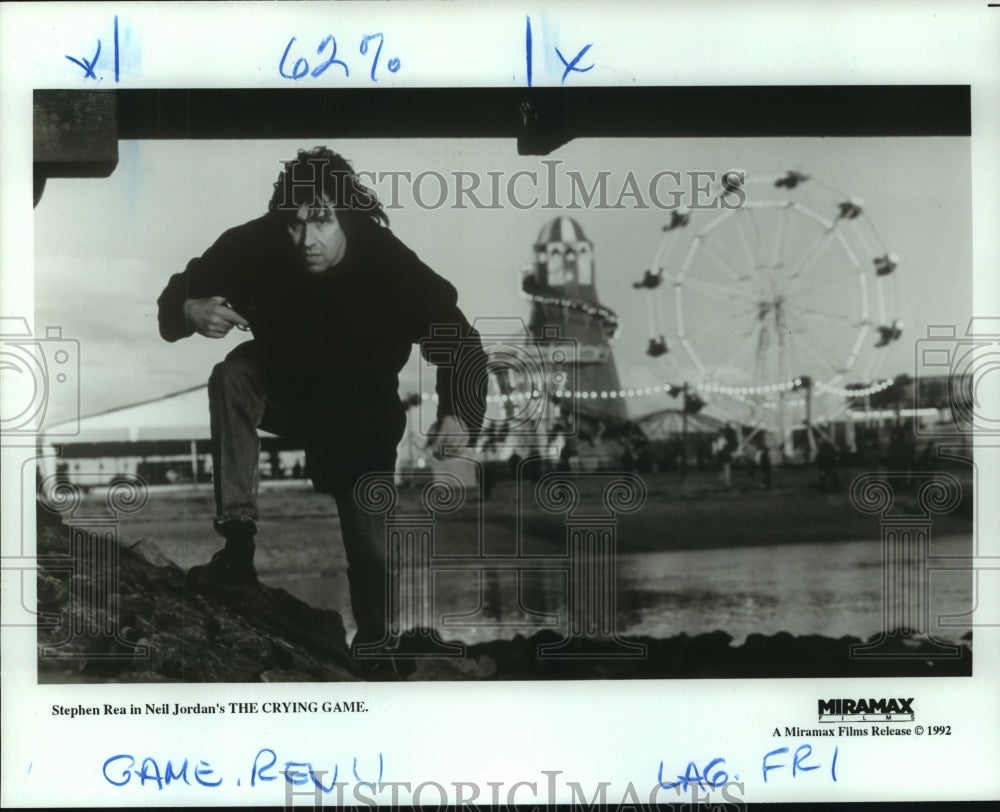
[(669, 424)]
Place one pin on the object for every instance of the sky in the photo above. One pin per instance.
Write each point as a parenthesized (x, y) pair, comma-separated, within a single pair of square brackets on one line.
[(104, 248)]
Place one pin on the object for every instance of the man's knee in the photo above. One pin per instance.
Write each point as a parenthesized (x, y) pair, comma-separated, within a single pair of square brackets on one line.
[(235, 375)]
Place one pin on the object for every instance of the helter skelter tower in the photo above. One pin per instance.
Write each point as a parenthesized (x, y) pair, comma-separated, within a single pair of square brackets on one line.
[(561, 286)]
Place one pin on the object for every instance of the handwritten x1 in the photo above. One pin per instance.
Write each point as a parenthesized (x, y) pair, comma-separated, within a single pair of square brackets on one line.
[(88, 66)]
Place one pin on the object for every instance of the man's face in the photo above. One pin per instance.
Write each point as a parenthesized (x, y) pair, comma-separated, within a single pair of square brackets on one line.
[(317, 236)]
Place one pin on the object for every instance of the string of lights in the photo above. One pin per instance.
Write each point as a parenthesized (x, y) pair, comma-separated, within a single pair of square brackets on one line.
[(881, 386), (741, 393), (763, 389), (796, 383), (609, 317)]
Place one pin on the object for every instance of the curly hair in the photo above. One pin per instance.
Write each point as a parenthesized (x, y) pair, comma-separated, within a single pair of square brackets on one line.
[(320, 177)]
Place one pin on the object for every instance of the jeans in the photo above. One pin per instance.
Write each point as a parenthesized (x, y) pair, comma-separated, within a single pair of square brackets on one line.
[(244, 396)]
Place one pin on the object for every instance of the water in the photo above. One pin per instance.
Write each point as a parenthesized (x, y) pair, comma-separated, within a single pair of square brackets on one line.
[(826, 588)]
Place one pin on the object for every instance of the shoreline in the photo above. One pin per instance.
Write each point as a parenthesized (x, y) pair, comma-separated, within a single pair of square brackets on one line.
[(693, 513)]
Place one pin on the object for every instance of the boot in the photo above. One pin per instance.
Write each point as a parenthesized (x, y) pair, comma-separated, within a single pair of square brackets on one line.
[(232, 566)]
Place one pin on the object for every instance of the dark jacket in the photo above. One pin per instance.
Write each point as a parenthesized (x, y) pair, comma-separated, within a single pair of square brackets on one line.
[(339, 338)]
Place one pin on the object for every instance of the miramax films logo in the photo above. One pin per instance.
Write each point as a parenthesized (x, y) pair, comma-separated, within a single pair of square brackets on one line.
[(895, 709)]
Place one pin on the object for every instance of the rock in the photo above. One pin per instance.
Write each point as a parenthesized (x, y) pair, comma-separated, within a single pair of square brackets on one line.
[(150, 553), (486, 668), (168, 632)]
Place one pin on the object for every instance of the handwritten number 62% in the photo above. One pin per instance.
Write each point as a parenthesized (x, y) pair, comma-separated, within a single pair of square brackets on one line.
[(327, 50)]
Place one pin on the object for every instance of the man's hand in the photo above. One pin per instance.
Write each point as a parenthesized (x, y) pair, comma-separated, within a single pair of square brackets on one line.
[(212, 317), (447, 431)]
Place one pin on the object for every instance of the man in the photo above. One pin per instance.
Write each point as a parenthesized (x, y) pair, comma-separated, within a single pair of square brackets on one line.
[(826, 462), (727, 444), (335, 302)]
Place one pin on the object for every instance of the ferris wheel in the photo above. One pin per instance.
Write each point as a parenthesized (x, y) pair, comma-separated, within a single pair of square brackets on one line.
[(780, 299)]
